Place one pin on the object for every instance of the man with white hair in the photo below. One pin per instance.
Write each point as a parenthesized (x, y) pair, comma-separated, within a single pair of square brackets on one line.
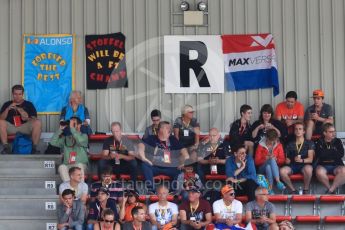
[(261, 212), (212, 155)]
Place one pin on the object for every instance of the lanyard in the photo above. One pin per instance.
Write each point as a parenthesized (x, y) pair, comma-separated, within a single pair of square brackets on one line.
[(117, 147), (165, 145), (154, 130), (186, 125), (299, 147), (193, 211), (214, 149), (228, 207), (162, 210)]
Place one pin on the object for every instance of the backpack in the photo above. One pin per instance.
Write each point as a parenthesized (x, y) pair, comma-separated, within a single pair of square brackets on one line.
[(22, 144)]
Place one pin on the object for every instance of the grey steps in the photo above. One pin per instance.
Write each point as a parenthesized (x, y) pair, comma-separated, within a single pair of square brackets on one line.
[(28, 191), (17, 222), (23, 164), (27, 171), (20, 182), (12, 157), (27, 206)]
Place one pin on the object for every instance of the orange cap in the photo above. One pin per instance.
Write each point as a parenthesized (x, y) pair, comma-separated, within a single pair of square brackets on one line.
[(226, 188), (318, 93)]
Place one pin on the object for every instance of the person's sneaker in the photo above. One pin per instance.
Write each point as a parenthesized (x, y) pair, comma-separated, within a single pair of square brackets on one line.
[(294, 192), (35, 151), (281, 186), (306, 192), (329, 192), (7, 149)]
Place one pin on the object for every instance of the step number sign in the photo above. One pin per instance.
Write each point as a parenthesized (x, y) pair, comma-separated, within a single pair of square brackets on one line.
[(50, 184), (49, 164), (50, 206), (51, 226)]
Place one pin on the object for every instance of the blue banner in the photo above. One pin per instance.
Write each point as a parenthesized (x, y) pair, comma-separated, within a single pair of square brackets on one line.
[(48, 71)]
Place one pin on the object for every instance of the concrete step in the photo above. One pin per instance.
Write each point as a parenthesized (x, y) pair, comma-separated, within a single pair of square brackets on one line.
[(28, 223), (28, 206), (12, 157), (27, 164), (27, 171), (28, 191), (21, 182)]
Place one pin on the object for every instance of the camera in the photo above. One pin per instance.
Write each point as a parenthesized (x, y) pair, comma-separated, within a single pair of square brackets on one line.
[(64, 123), (66, 131)]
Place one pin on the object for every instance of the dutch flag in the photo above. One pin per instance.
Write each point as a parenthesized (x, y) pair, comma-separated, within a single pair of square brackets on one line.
[(250, 62)]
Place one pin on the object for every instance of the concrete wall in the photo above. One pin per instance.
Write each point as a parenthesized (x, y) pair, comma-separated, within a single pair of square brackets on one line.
[(309, 36)]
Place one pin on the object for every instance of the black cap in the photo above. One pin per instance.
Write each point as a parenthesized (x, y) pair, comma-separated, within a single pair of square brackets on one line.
[(131, 191), (194, 189), (104, 189)]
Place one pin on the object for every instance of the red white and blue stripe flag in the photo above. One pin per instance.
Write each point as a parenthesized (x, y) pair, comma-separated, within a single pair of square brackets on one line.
[(250, 62)]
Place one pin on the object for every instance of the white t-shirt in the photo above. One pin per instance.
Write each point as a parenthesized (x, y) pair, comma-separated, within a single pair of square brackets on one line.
[(82, 189), (227, 212), (163, 214)]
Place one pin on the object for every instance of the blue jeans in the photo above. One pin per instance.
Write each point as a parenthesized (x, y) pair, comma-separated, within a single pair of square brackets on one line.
[(89, 226), (270, 170), (77, 227), (150, 171)]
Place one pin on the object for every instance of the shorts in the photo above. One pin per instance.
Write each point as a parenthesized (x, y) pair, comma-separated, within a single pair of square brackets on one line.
[(297, 168), (25, 128), (330, 168)]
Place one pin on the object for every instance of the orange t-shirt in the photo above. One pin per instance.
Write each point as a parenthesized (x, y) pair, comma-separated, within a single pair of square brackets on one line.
[(289, 114), (128, 216)]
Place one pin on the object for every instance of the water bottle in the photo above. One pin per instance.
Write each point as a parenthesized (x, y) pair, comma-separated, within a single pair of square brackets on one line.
[(300, 191)]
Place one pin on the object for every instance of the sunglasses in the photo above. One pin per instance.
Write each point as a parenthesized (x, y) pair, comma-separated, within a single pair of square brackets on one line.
[(109, 221), (232, 194)]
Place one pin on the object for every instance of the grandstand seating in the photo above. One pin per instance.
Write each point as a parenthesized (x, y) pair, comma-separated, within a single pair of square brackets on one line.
[(24, 178)]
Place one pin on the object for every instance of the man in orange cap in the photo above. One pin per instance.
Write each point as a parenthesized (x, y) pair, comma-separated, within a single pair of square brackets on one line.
[(228, 210), (317, 114)]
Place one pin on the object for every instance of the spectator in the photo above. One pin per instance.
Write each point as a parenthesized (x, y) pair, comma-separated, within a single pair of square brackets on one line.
[(240, 131), (108, 221), (241, 173), (118, 153), (96, 208), (268, 156), (70, 212), (139, 216), (299, 159), (265, 123), (329, 153), (317, 114), (195, 213), (286, 225), (19, 115), (163, 214), (187, 178), (76, 184), (153, 129), (74, 145), (261, 212), (162, 154), (228, 211), (187, 130), (115, 187), (75, 108), (212, 155), (130, 201), (290, 111)]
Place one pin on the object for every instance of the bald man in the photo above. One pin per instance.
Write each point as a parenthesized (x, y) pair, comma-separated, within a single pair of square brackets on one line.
[(212, 155)]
